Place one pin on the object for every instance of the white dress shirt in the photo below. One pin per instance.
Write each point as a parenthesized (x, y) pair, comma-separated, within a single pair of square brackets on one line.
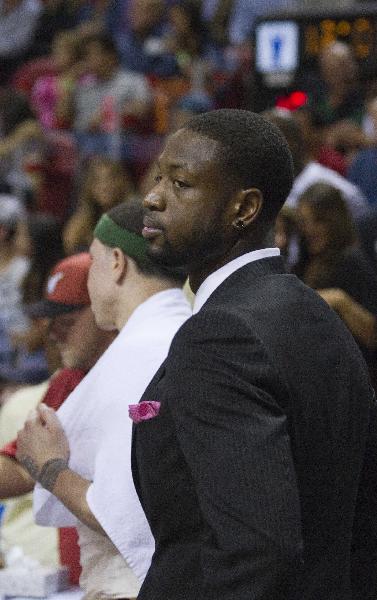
[(217, 277)]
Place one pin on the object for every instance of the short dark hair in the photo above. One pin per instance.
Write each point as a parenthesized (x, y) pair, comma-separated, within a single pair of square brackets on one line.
[(102, 39), (253, 153), (129, 215)]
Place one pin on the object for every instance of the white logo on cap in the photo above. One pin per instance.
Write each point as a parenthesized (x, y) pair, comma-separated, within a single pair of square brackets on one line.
[(53, 282)]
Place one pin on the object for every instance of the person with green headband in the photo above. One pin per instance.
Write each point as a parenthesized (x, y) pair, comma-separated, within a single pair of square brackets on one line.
[(81, 455)]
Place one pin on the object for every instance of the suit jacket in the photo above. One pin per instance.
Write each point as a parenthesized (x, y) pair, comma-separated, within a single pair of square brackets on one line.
[(249, 475)]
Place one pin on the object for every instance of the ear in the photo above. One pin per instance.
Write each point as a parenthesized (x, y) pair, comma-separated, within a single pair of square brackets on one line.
[(119, 265), (247, 207)]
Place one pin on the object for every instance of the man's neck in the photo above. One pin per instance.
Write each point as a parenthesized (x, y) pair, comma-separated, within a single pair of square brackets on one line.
[(133, 298), (199, 273)]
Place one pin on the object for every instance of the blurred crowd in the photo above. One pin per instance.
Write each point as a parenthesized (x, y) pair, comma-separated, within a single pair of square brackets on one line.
[(88, 91)]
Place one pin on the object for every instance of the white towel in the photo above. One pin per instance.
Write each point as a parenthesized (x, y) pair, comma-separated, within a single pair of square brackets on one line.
[(99, 430)]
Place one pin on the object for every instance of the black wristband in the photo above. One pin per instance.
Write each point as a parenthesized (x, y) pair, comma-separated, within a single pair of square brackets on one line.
[(50, 472)]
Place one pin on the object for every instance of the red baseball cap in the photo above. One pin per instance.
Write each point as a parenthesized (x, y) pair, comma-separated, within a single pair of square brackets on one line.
[(66, 289)]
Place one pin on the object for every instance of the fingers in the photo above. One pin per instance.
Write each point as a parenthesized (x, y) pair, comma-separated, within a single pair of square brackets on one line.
[(47, 416), (42, 414)]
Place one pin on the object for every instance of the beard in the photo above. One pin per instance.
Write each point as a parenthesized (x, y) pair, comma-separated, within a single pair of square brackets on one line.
[(201, 248), (171, 257)]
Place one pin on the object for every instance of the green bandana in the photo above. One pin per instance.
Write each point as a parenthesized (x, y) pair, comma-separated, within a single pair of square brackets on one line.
[(110, 234)]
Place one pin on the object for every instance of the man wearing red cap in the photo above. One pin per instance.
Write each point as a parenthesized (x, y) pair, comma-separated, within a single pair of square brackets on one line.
[(80, 343)]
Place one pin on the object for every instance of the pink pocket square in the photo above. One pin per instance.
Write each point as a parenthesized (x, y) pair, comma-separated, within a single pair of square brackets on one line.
[(143, 411)]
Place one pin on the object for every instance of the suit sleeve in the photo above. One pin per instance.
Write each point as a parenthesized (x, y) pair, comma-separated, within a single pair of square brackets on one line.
[(234, 437)]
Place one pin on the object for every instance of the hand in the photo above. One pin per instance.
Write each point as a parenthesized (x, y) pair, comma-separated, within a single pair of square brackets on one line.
[(41, 440), (334, 297)]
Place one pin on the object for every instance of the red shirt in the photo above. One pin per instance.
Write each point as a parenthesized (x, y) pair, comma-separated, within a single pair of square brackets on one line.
[(59, 389)]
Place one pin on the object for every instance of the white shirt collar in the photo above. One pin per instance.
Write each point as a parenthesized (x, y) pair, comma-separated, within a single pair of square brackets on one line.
[(217, 277)]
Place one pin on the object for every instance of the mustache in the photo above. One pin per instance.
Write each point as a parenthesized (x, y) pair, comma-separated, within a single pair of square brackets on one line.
[(152, 223)]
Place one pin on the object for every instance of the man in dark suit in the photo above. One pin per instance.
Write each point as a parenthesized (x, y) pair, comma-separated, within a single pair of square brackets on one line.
[(250, 473)]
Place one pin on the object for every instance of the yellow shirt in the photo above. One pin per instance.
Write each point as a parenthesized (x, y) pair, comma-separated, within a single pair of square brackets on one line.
[(18, 528)]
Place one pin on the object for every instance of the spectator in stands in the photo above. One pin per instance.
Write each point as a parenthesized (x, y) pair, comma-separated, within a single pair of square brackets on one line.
[(333, 146), (186, 35), (17, 527), (38, 238), (13, 268), (106, 184), (91, 16), (139, 37), (51, 175), (331, 263), (81, 343), (347, 138), (55, 16), (308, 171), (363, 170), (337, 94), (187, 40), (51, 91), (84, 17), (110, 102), (18, 20), (21, 136), (198, 98), (316, 142)]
